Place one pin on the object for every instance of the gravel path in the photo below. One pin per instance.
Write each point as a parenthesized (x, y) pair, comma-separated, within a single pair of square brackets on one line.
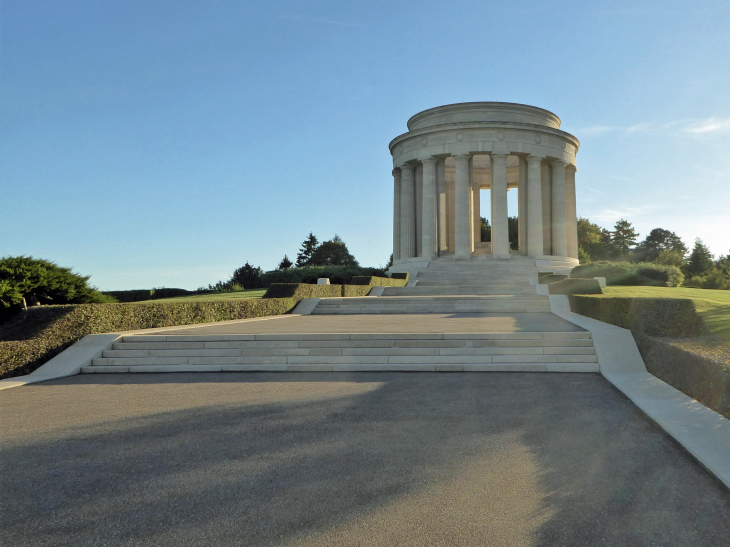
[(346, 459)]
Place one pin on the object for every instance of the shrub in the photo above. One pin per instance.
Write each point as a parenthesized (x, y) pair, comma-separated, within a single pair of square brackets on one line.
[(377, 281), (550, 278), (299, 291), (675, 317), (34, 337), (399, 275), (140, 295), (312, 273), (575, 286), (626, 273), (41, 281)]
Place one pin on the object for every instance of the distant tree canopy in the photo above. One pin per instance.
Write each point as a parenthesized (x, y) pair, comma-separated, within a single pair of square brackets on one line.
[(285, 263), (248, 276), (24, 279), (305, 253), (332, 253)]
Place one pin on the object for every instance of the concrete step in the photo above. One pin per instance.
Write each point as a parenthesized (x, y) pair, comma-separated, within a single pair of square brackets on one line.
[(515, 351), (365, 367)]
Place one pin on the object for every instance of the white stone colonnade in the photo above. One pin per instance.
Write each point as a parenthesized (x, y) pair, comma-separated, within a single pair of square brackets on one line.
[(452, 152)]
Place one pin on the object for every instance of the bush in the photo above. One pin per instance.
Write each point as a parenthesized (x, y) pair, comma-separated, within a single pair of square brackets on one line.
[(547, 278), (676, 317), (626, 273), (399, 275), (34, 337), (299, 291), (377, 281), (140, 295), (575, 286), (312, 273), (39, 281)]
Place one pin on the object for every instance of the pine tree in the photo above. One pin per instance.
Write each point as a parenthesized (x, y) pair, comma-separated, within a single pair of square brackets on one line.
[(308, 247), (623, 237), (248, 276), (700, 261), (285, 263), (660, 241)]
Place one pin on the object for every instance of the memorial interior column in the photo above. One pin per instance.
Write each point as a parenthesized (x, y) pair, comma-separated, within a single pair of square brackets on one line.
[(396, 214), (500, 233), (534, 207), (408, 210), (462, 214), (443, 226), (560, 231), (522, 220)]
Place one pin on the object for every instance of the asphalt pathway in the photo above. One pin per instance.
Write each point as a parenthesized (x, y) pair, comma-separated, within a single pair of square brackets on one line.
[(346, 459)]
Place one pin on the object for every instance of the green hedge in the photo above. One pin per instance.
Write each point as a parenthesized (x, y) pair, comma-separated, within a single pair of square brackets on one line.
[(675, 317), (356, 290), (400, 275), (299, 291), (703, 379), (547, 278), (575, 286), (35, 336), (627, 273), (339, 274), (141, 295), (376, 281)]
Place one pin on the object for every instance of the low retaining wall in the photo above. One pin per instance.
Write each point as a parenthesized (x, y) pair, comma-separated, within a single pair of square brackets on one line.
[(701, 378)]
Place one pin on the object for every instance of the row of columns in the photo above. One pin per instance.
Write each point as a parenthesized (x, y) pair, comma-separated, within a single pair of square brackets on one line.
[(546, 209)]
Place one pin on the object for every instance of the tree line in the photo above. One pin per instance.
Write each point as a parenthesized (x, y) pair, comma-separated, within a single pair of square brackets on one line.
[(660, 246)]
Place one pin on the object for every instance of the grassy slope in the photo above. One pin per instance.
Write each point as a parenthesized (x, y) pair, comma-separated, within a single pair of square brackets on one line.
[(712, 305), (236, 295)]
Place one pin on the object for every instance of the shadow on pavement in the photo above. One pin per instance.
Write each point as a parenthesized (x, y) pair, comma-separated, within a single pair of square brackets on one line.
[(343, 458)]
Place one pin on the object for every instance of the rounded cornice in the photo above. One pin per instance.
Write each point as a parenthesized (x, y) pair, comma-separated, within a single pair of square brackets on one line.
[(484, 128), (483, 112)]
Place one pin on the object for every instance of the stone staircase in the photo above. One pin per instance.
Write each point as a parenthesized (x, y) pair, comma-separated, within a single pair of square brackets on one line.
[(434, 304), (516, 352)]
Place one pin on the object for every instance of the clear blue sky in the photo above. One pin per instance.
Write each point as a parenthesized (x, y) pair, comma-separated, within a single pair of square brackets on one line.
[(151, 143)]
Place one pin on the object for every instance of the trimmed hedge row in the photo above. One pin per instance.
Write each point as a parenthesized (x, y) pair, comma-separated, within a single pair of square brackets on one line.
[(701, 378), (338, 274), (375, 281), (575, 286), (627, 273), (299, 291), (675, 317), (545, 278), (140, 295), (35, 336)]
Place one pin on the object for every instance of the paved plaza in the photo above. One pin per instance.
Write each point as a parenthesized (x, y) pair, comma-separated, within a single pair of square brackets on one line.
[(346, 459)]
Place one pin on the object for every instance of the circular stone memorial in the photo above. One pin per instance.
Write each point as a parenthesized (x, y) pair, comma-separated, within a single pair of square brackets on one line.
[(450, 153)]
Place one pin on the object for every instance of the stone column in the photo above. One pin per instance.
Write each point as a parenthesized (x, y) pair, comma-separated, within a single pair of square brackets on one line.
[(570, 211), (441, 205), (534, 207), (547, 207), (477, 211), (522, 207), (396, 214), (462, 190), (560, 229), (472, 199), (418, 186), (500, 234), (428, 216), (407, 213)]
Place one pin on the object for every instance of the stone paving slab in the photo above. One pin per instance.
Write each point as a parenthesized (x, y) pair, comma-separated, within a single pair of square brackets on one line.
[(332, 459), (393, 323)]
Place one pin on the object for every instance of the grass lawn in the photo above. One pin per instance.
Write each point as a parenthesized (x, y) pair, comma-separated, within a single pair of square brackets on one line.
[(235, 295), (712, 305)]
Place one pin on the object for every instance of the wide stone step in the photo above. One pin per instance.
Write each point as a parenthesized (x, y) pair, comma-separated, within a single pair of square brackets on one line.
[(344, 359), (349, 351), (364, 367)]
